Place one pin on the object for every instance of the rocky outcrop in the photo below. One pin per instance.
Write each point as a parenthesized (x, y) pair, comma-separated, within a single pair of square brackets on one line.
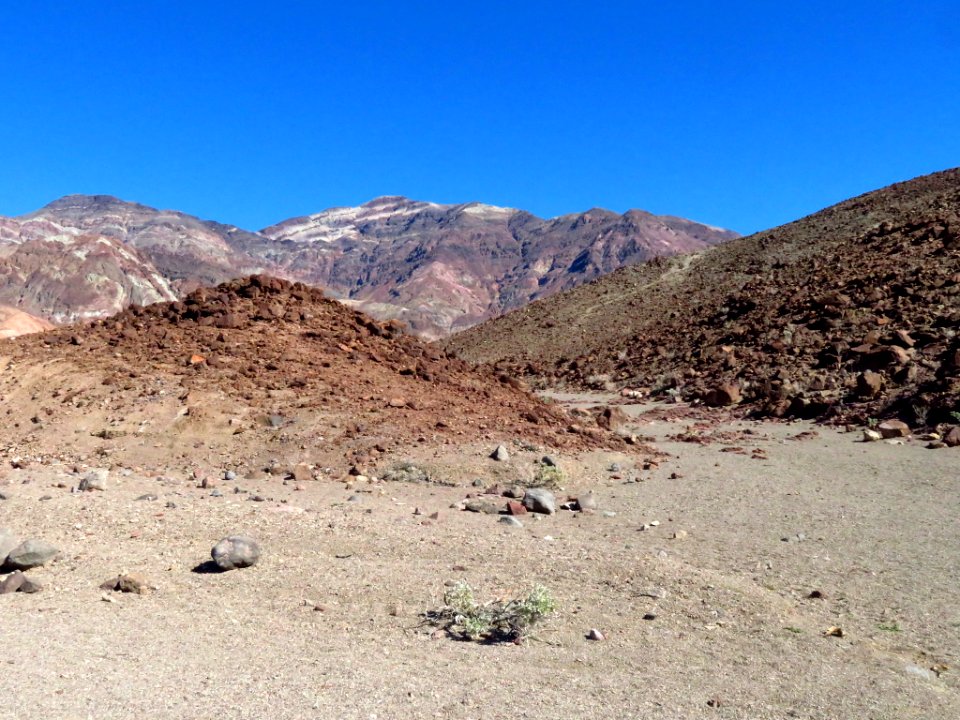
[(849, 313)]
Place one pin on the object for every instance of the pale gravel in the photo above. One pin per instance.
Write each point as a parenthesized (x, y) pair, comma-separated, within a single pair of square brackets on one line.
[(882, 543)]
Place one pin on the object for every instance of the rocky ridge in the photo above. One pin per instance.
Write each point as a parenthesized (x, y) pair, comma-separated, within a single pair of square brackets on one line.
[(850, 313), (436, 267)]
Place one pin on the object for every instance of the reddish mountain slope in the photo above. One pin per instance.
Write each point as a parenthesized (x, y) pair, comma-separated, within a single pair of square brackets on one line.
[(852, 311)]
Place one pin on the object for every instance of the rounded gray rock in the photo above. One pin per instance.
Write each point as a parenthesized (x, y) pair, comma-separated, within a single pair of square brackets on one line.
[(540, 500), (511, 521), (236, 551), (31, 554)]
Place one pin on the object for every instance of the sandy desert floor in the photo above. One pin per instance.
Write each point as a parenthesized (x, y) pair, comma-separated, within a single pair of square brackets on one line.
[(327, 625)]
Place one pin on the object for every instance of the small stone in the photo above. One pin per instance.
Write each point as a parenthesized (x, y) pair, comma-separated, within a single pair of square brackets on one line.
[(229, 475), (95, 479), (216, 493), (500, 454), (871, 435), (516, 508), (540, 500), (31, 554), (514, 492), (679, 535), (649, 616), (724, 394), (587, 501), (354, 498), (952, 438), (595, 634), (12, 583), (148, 497), (893, 429), (479, 482), (29, 585), (128, 583), (511, 521), (869, 384), (236, 551), (609, 514), (548, 461), (480, 505)]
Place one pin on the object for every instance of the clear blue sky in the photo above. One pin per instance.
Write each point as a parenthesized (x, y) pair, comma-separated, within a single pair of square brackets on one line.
[(745, 115)]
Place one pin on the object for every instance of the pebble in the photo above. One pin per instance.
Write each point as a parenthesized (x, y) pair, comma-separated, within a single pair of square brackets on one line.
[(679, 535), (229, 476), (549, 461), (500, 454), (354, 498), (871, 435), (128, 583), (609, 514), (595, 634), (511, 521), (540, 500), (95, 479), (31, 554), (587, 501), (236, 551), (148, 496)]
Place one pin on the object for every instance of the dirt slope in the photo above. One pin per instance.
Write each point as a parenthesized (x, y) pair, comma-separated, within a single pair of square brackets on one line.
[(852, 310), (254, 370)]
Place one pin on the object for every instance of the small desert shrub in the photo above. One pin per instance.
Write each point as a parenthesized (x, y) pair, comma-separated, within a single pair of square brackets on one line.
[(548, 476), (497, 621)]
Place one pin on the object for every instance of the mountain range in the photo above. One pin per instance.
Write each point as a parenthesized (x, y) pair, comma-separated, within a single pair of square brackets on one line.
[(438, 268)]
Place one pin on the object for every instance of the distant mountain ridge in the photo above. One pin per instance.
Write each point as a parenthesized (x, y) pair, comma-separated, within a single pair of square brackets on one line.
[(439, 268)]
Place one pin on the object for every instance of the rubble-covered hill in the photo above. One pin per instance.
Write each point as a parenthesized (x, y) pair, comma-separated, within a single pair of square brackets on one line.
[(258, 368), (853, 311)]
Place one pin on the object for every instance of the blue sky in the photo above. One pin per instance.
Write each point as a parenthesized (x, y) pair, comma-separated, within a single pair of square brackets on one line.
[(745, 115)]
